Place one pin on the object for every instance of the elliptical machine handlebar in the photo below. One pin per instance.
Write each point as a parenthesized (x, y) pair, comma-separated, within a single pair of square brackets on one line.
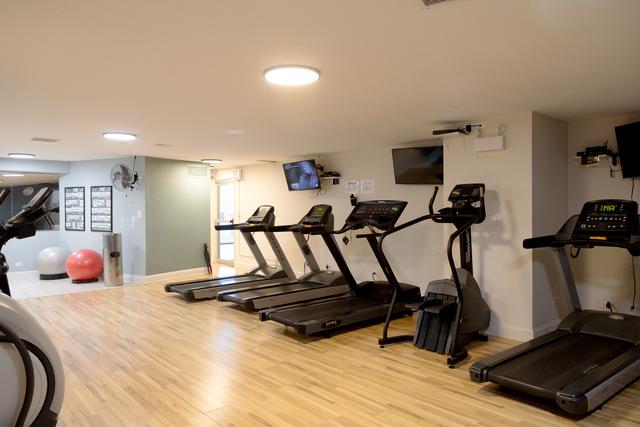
[(433, 199)]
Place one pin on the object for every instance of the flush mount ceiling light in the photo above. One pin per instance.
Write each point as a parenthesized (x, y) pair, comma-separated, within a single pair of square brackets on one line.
[(11, 175), (211, 161), (291, 75), (21, 155), (235, 131), (120, 136)]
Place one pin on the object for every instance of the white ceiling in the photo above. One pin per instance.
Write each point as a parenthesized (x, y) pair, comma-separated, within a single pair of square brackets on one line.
[(183, 72)]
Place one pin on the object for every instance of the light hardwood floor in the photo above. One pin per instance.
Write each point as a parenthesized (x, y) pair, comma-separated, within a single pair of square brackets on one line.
[(136, 356)]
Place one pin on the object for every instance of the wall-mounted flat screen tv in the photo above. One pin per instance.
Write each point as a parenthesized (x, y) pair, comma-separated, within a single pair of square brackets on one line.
[(418, 165), (302, 175), (628, 137)]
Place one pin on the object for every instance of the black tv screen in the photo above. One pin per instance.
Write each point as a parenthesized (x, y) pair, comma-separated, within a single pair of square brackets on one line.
[(418, 165), (628, 137), (302, 175)]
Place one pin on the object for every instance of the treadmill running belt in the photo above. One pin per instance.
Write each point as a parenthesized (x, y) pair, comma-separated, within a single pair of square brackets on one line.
[(271, 290), (325, 310), (545, 370), (217, 282)]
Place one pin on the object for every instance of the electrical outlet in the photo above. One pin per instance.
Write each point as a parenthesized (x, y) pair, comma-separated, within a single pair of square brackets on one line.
[(19, 264)]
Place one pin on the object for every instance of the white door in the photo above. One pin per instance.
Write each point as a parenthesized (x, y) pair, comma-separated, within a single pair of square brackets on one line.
[(226, 213)]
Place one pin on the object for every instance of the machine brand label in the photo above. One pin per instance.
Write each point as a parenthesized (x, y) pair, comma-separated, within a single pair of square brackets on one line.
[(331, 323), (589, 369)]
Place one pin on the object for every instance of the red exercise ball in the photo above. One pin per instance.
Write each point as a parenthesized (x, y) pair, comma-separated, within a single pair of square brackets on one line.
[(84, 266)]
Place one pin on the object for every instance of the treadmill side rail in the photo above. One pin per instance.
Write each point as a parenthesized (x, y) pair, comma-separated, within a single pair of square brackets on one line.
[(593, 390), (479, 370)]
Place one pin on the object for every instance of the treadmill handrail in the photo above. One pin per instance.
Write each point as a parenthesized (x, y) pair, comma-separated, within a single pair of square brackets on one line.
[(231, 226)]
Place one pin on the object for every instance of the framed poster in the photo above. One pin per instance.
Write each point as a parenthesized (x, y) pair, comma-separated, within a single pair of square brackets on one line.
[(101, 218), (74, 208)]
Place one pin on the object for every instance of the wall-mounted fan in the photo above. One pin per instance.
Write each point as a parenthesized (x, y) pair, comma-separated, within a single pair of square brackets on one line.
[(123, 177)]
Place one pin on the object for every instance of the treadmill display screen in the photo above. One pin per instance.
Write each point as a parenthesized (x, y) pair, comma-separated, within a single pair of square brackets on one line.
[(382, 214), (607, 219), (318, 210), (263, 211)]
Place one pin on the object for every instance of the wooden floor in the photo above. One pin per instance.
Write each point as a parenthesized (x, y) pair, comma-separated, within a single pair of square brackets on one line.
[(136, 356)]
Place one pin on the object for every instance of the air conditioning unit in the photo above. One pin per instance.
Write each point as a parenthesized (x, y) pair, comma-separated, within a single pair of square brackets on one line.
[(226, 175)]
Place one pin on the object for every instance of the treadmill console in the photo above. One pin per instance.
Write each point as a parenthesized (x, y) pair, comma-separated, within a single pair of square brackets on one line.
[(317, 215), (604, 220), (381, 214), (262, 215)]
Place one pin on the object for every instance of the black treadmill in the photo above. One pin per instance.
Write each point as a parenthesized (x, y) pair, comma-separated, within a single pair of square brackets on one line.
[(367, 301), (260, 221), (20, 226), (315, 284), (592, 355)]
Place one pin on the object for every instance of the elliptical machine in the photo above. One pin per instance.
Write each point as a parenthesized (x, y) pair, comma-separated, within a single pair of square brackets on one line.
[(31, 372), (453, 312)]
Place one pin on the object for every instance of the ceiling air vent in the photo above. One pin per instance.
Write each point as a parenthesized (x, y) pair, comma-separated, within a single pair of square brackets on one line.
[(433, 2), (44, 140)]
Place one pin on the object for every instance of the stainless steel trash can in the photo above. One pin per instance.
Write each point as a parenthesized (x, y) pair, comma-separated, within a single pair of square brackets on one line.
[(112, 256)]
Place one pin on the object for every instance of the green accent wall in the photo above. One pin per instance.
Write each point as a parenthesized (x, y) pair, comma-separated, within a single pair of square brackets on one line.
[(178, 211)]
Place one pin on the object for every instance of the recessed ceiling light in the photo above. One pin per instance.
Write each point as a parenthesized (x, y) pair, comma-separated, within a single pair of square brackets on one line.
[(235, 131), (21, 155), (291, 75), (211, 161), (120, 136), (10, 175)]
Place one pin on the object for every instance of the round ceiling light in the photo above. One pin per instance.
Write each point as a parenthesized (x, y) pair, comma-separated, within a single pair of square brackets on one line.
[(11, 175), (120, 136), (211, 161), (21, 155), (291, 75)]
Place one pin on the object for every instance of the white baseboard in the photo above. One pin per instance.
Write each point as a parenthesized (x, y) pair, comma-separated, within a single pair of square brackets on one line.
[(130, 279), (511, 332), (547, 327), (17, 275)]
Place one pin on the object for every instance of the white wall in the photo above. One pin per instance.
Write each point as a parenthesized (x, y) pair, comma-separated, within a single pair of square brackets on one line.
[(416, 254), (128, 212), (502, 267), (22, 253), (602, 274)]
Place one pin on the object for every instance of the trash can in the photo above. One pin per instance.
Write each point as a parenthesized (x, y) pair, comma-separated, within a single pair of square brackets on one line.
[(112, 256)]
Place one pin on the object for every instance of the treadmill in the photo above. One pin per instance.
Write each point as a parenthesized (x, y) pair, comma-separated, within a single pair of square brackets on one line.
[(592, 355), (260, 221), (315, 284), (21, 226), (367, 301)]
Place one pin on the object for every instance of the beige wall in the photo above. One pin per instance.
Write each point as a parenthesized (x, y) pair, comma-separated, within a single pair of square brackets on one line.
[(502, 268), (549, 212)]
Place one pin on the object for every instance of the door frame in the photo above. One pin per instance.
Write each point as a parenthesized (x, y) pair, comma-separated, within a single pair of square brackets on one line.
[(215, 254)]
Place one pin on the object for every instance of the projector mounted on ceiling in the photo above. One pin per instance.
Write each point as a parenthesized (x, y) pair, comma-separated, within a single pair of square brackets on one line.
[(466, 130), (432, 2)]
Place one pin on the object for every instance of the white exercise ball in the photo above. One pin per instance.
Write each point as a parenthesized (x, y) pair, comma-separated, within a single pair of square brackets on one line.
[(51, 263)]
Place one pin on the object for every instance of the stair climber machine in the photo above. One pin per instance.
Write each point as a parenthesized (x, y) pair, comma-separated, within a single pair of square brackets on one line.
[(31, 373), (453, 312), (592, 355), (315, 284), (263, 274), (367, 301)]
